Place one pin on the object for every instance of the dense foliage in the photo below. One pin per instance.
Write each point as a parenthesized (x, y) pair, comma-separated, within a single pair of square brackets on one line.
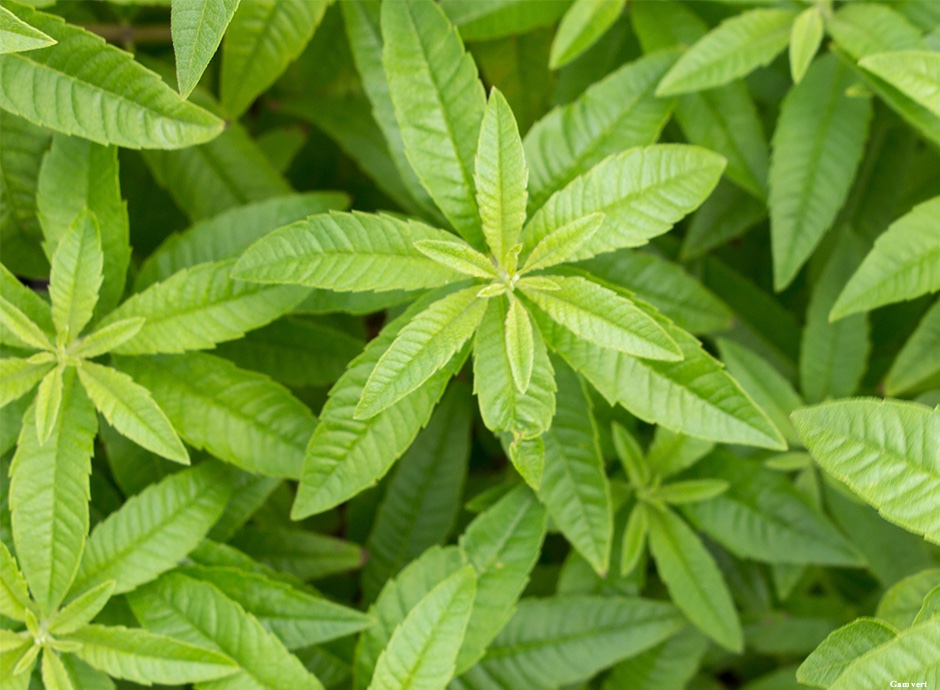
[(472, 344)]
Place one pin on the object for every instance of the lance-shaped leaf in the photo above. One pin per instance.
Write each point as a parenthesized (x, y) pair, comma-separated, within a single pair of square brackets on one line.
[(918, 362), (145, 657), (14, 597), (605, 318), (583, 23), (562, 242), (48, 402), (805, 37), (19, 329), (199, 307), (732, 50), (54, 674), (106, 338), (131, 410), (347, 252), (197, 27), (810, 176), (49, 495), (17, 36), (422, 651), (520, 345), (693, 579), (439, 103), (642, 193), (154, 530), (305, 555), (76, 277), (236, 415), (677, 659), (634, 538), (424, 346), (458, 256), (914, 73), (98, 92), (500, 177), (263, 38), (19, 377), (887, 451), (483, 21), (842, 648), (82, 609), (903, 264)]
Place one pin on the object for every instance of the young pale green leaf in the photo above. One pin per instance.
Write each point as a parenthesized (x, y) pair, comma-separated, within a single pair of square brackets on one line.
[(54, 674), (48, 495), (423, 347), (583, 23), (347, 252), (303, 554), (734, 49), (841, 649), (631, 456), (76, 277), (197, 26), (236, 415), (263, 38), (574, 484), (605, 318), (154, 530), (642, 193), (98, 92), (903, 264), (146, 657), (502, 407), (805, 37), (131, 410), (865, 29), (500, 177), (82, 609), (439, 104), (520, 345), (107, 338), (48, 404), (693, 579), (19, 377), (692, 490), (17, 36), (30, 305), (614, 114), (887, 451), (810, 176), (914, 73), (458, 256), (20, 329), (918, 363), (422, 651), (562, 242), (14, 597), (634, 538)]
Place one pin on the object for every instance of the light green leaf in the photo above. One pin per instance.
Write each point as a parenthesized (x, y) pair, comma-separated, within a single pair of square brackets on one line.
[(423, 347), (918, 362), (692, 490), (887, 451), (439, 104), (500, 177), (54, 675), (76, 277), (347, 252), (612, 115), (492, 19), (671, 452), (642, 193), (805, 37), (99, 92), (236, 415), (17, 36), (605, 318), (131, 410), (528, 457), (914, 73), (693, 579), (734, 49), (154, 530), (19, 377), (49, 495), (263, 38), (82, 609), (145, 657), (199, 307), (19, 328), (458, 256), (520, 345), (14, 597), (84, 676), (631, 456), (198, 26), (303, 554), (841, 649), (562, 242), (104, 339), (583, 23), (810, 176), (634, 538), (903, 264), (48, 403), (865, 28), (574, 484), (669, 665)]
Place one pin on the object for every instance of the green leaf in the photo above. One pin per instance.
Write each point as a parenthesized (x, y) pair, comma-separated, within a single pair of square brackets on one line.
[(863, 29), (439, 104), (903, 264), (54, 675), (520, 345), (886, 450), (236, 415), (84, 676), (693, 579), (914, 73), (82, 609), (562, 242), (841, 649), (458, 256), (734, 49), (726, 215), (199, 307), (263, 38), (99, 92), (17, 36), (634, 538), (154, 530), (422, 651), (145, 657), (491, 19), (304, 554), (104, 339), (642, 193), (19, 377), (198, 26), (14, 597), (20, 329), (574, 484), (76, 277), (347, 252), (583, 23), (48, 494), (810, 176), (805, 37), (131, 410), (918, 362), (692, 490), (676, 660), (48, 404), (423, 347), (671, 452), (631, 456), (500, 177)]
